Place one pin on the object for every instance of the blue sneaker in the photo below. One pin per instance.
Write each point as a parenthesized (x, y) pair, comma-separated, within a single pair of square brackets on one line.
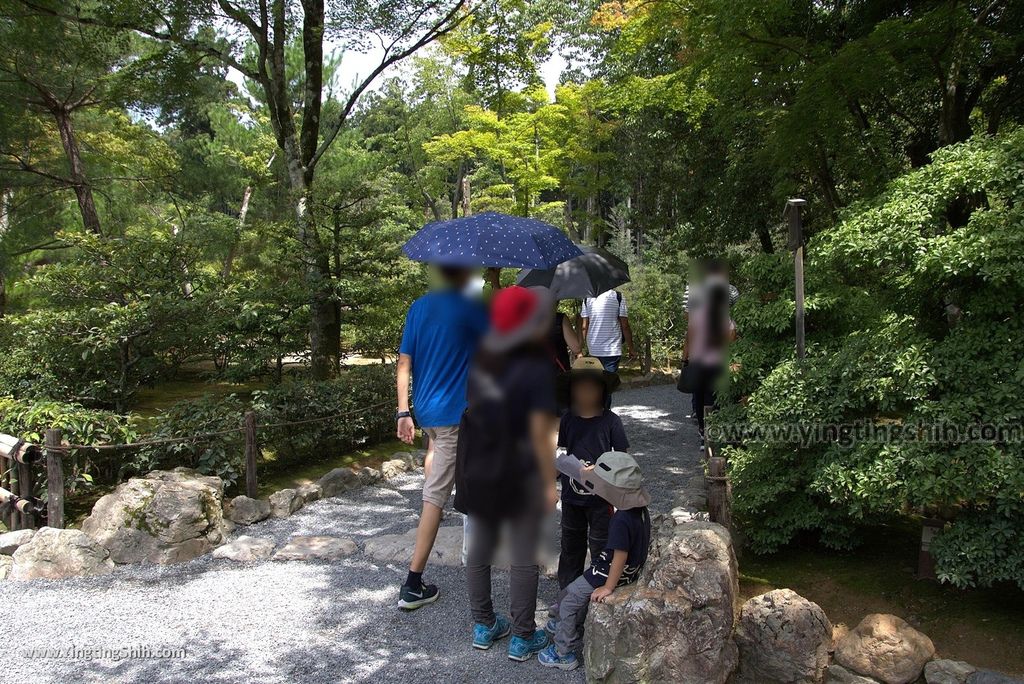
[(549, 657), (552, 626), (521, 649), (484, 636)]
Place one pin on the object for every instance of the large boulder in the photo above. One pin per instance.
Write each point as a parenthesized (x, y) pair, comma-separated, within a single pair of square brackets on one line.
[(337, 481), (369, 476), (284, 502), (6, 563), (164, 517), (948, 672), (394, 468), (885, 648), (10, 541), (990, 677), (245, 549), (397, 548), (675, 624), (837, 674), (246, 511), (783, 639), (55, 553), (316, 548), (310, 492)]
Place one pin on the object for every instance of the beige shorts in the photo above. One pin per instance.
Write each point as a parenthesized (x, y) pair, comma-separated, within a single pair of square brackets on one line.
[(437, 486)]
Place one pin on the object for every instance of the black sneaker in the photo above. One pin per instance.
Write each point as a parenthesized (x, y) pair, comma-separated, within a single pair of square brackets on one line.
[(411, 599)]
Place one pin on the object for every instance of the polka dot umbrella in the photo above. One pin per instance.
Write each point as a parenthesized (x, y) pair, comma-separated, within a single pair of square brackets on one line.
[(491, 239)]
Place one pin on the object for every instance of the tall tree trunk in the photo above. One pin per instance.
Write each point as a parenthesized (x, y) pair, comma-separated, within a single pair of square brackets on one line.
[(324, 326), (5, 222), (229, 260), (954, 125), (764, 237), (83, 191), (464, 192)]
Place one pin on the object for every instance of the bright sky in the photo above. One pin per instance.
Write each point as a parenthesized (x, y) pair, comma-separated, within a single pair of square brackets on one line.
[(355, 66)]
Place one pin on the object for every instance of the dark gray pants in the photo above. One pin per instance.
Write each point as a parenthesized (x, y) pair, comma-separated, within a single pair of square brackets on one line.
[(523, 542), (573, 603)]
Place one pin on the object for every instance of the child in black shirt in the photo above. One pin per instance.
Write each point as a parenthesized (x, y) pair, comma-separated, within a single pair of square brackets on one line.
[(586, 431)]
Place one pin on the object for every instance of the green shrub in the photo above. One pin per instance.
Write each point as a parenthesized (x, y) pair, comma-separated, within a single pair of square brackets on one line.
[(914, 318), (30, 420), (357, 389), (354, 393)]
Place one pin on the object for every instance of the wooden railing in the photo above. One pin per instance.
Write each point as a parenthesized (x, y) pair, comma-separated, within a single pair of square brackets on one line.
[(718, 488), (20, 505)]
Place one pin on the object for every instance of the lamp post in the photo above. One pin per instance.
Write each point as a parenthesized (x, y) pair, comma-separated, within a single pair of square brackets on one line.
[(793, 210)]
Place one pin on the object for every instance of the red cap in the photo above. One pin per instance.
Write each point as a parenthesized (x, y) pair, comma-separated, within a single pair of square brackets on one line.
[(512, 307)]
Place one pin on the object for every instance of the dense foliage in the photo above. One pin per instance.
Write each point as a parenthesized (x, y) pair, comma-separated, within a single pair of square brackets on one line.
[(210, 191), (297, 421)]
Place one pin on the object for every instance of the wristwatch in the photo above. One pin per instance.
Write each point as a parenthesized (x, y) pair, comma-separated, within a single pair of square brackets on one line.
[(403, 414)]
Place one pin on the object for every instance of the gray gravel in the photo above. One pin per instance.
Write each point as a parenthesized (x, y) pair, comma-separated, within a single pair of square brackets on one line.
[(288, 622)]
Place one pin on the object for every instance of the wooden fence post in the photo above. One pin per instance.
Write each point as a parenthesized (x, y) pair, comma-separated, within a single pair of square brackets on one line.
[(719, 506), (10, 518), (28, 520), (54, 480), (796, 243), (251, 450)]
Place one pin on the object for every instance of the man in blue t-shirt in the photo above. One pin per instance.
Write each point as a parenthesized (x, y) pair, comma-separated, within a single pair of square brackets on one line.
[(442, 331)]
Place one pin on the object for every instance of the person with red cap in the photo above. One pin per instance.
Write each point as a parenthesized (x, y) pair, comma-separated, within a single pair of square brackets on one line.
[(505, 476)]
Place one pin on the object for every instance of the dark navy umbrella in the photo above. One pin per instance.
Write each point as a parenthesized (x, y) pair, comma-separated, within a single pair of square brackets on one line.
[(491, 239), (595, 271)]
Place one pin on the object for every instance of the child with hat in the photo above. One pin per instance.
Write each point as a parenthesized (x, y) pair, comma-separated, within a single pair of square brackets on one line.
[(586, 431), (616, 478)]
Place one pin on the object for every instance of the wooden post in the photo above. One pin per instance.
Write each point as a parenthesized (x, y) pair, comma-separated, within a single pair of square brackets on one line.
[(719, 506), (796, 243), (251, 450), (28, 520), (925, 562), (709, 447), (10, 518), (54, 480)]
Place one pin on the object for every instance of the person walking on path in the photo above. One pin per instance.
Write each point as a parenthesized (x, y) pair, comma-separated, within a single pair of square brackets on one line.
[(606, 327), (442, 332), (709, 331), (505, 474), (710, 272)]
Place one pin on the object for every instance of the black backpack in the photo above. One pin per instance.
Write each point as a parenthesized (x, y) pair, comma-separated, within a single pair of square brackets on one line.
[(494, 461)]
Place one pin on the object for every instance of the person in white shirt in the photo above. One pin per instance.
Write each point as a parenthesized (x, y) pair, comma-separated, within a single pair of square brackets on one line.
[(606, 327)]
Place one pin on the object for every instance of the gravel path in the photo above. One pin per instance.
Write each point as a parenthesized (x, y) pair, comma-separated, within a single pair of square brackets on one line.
[(286, 622)]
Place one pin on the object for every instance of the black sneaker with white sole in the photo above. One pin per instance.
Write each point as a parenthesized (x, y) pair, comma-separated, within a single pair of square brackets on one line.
[(411, 598)]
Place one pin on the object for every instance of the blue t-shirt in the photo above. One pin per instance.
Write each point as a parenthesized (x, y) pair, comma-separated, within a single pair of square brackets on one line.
[(587, 439), (442, 332), (630, 531)]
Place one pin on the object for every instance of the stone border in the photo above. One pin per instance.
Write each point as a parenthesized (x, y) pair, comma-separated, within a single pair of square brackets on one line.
[(243, 510)]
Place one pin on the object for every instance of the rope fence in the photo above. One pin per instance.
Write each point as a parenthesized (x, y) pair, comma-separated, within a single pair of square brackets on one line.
[(65, 448), (21, 510)]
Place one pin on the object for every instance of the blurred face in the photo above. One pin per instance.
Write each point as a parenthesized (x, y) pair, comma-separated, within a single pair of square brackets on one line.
[(587, 394)]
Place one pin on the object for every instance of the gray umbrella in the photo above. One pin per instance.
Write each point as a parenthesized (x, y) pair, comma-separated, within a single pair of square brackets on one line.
[(597, 271)]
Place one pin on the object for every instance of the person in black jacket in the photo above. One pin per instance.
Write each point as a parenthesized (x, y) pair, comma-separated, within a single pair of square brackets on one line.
[(505, 476)]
